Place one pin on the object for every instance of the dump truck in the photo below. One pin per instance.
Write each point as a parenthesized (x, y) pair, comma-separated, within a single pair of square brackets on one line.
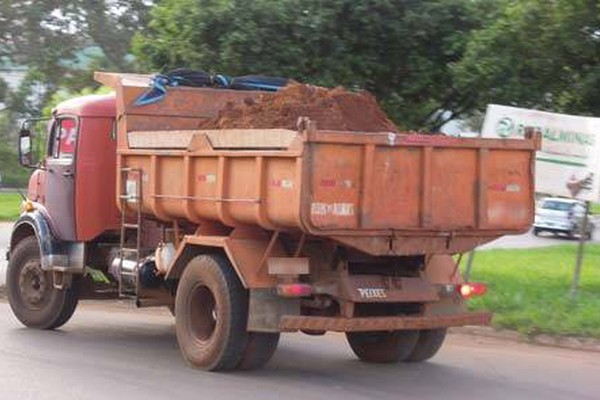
[(247, 233)]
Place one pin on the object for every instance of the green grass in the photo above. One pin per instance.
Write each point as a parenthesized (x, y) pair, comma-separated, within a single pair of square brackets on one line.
[(595, 208), (10, 206), (528, 290)]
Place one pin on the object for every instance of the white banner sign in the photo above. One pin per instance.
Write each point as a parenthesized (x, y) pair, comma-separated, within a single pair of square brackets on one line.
[(569, 161)]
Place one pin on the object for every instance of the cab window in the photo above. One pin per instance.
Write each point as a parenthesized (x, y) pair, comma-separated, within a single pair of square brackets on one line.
[(63, 138)]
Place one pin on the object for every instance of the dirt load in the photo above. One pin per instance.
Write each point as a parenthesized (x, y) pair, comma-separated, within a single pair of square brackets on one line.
[(331, 109)]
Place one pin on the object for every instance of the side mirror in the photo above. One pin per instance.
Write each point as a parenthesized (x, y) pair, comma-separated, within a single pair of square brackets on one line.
[(27, 158)]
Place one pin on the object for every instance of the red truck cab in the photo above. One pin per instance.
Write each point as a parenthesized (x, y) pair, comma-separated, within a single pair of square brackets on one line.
[(76, 180)]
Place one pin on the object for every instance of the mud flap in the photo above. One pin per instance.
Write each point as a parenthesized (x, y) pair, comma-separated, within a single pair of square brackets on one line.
[(266, 310)]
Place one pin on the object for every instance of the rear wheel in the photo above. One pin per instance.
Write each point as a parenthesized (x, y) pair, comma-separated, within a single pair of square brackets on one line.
[(260, 348), (171, 309), (536, 231), (31, 293), (383, 347), (430, 341), (211, 312)]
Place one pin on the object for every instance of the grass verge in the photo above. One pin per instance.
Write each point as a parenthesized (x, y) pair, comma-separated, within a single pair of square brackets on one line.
[(528, 290), (10, 206)]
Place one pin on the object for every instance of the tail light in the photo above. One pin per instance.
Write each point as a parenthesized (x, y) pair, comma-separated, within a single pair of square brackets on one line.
[(294, 289), (471, 289)]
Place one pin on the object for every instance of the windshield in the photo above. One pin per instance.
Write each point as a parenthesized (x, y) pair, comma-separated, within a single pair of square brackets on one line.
[(556, 205)]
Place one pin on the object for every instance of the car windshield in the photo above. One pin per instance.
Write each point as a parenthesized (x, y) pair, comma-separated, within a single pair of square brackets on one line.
[(556, 205)]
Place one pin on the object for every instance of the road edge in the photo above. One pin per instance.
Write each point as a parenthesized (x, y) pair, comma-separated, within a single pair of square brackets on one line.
[(545, 340)]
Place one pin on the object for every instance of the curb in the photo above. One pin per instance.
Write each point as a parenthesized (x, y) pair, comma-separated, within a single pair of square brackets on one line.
[(564, 342)]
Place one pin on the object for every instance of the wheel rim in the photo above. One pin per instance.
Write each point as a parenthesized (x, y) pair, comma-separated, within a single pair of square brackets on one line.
[(204, 313), (34, 285)]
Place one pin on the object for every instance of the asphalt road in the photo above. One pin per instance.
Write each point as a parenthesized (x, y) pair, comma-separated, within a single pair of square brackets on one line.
[(125, 354), (132, 354)]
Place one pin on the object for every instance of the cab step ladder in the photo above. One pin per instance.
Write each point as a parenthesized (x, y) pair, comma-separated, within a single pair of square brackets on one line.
[(131, 192)]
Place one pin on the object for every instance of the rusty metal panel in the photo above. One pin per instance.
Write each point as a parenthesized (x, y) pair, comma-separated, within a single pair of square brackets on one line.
[(338, 324), (203, 181), (282, 187), (335, 186), (453, 196), (395, 185), (509, 189), (167, 187), (242, 185)]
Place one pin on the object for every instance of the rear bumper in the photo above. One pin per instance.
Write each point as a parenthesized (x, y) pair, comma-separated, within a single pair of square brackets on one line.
[(290, 323)]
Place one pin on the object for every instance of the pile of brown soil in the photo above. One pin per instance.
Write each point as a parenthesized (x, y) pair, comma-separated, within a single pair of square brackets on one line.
[(331, 109)]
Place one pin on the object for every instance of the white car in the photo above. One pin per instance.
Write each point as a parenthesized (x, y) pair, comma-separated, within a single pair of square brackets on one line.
[(561, 216)]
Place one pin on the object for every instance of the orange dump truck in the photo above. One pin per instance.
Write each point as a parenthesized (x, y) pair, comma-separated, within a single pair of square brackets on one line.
[(246, 233)]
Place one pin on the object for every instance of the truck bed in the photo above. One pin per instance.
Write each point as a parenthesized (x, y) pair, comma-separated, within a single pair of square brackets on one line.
[(381, 193)]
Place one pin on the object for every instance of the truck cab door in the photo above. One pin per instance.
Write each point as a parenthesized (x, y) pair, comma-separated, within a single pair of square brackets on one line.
[(60, 177)]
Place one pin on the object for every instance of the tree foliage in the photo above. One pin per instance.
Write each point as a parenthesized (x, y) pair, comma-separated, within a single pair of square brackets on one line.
[(400, 50), (51, 39), (542, 54), (418, 57)]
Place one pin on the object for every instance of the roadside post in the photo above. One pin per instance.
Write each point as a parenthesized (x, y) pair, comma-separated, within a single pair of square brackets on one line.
[(582, 238), (467, 274)]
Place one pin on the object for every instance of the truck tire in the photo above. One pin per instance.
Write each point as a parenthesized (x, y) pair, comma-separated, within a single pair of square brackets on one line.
[(383, 347), (260, 348), (211, 312), (171, 309), (430, 341), (31, 293)]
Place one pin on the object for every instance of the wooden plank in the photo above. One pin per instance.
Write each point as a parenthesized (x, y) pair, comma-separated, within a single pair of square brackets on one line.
[(251, 138), (219, 139), (160, 139)]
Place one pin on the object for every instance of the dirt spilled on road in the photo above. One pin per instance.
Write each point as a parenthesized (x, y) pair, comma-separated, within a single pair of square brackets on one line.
[(331, 109)]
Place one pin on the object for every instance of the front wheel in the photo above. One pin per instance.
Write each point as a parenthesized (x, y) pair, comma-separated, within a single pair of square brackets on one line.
[(383, 347), (31, 293)]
